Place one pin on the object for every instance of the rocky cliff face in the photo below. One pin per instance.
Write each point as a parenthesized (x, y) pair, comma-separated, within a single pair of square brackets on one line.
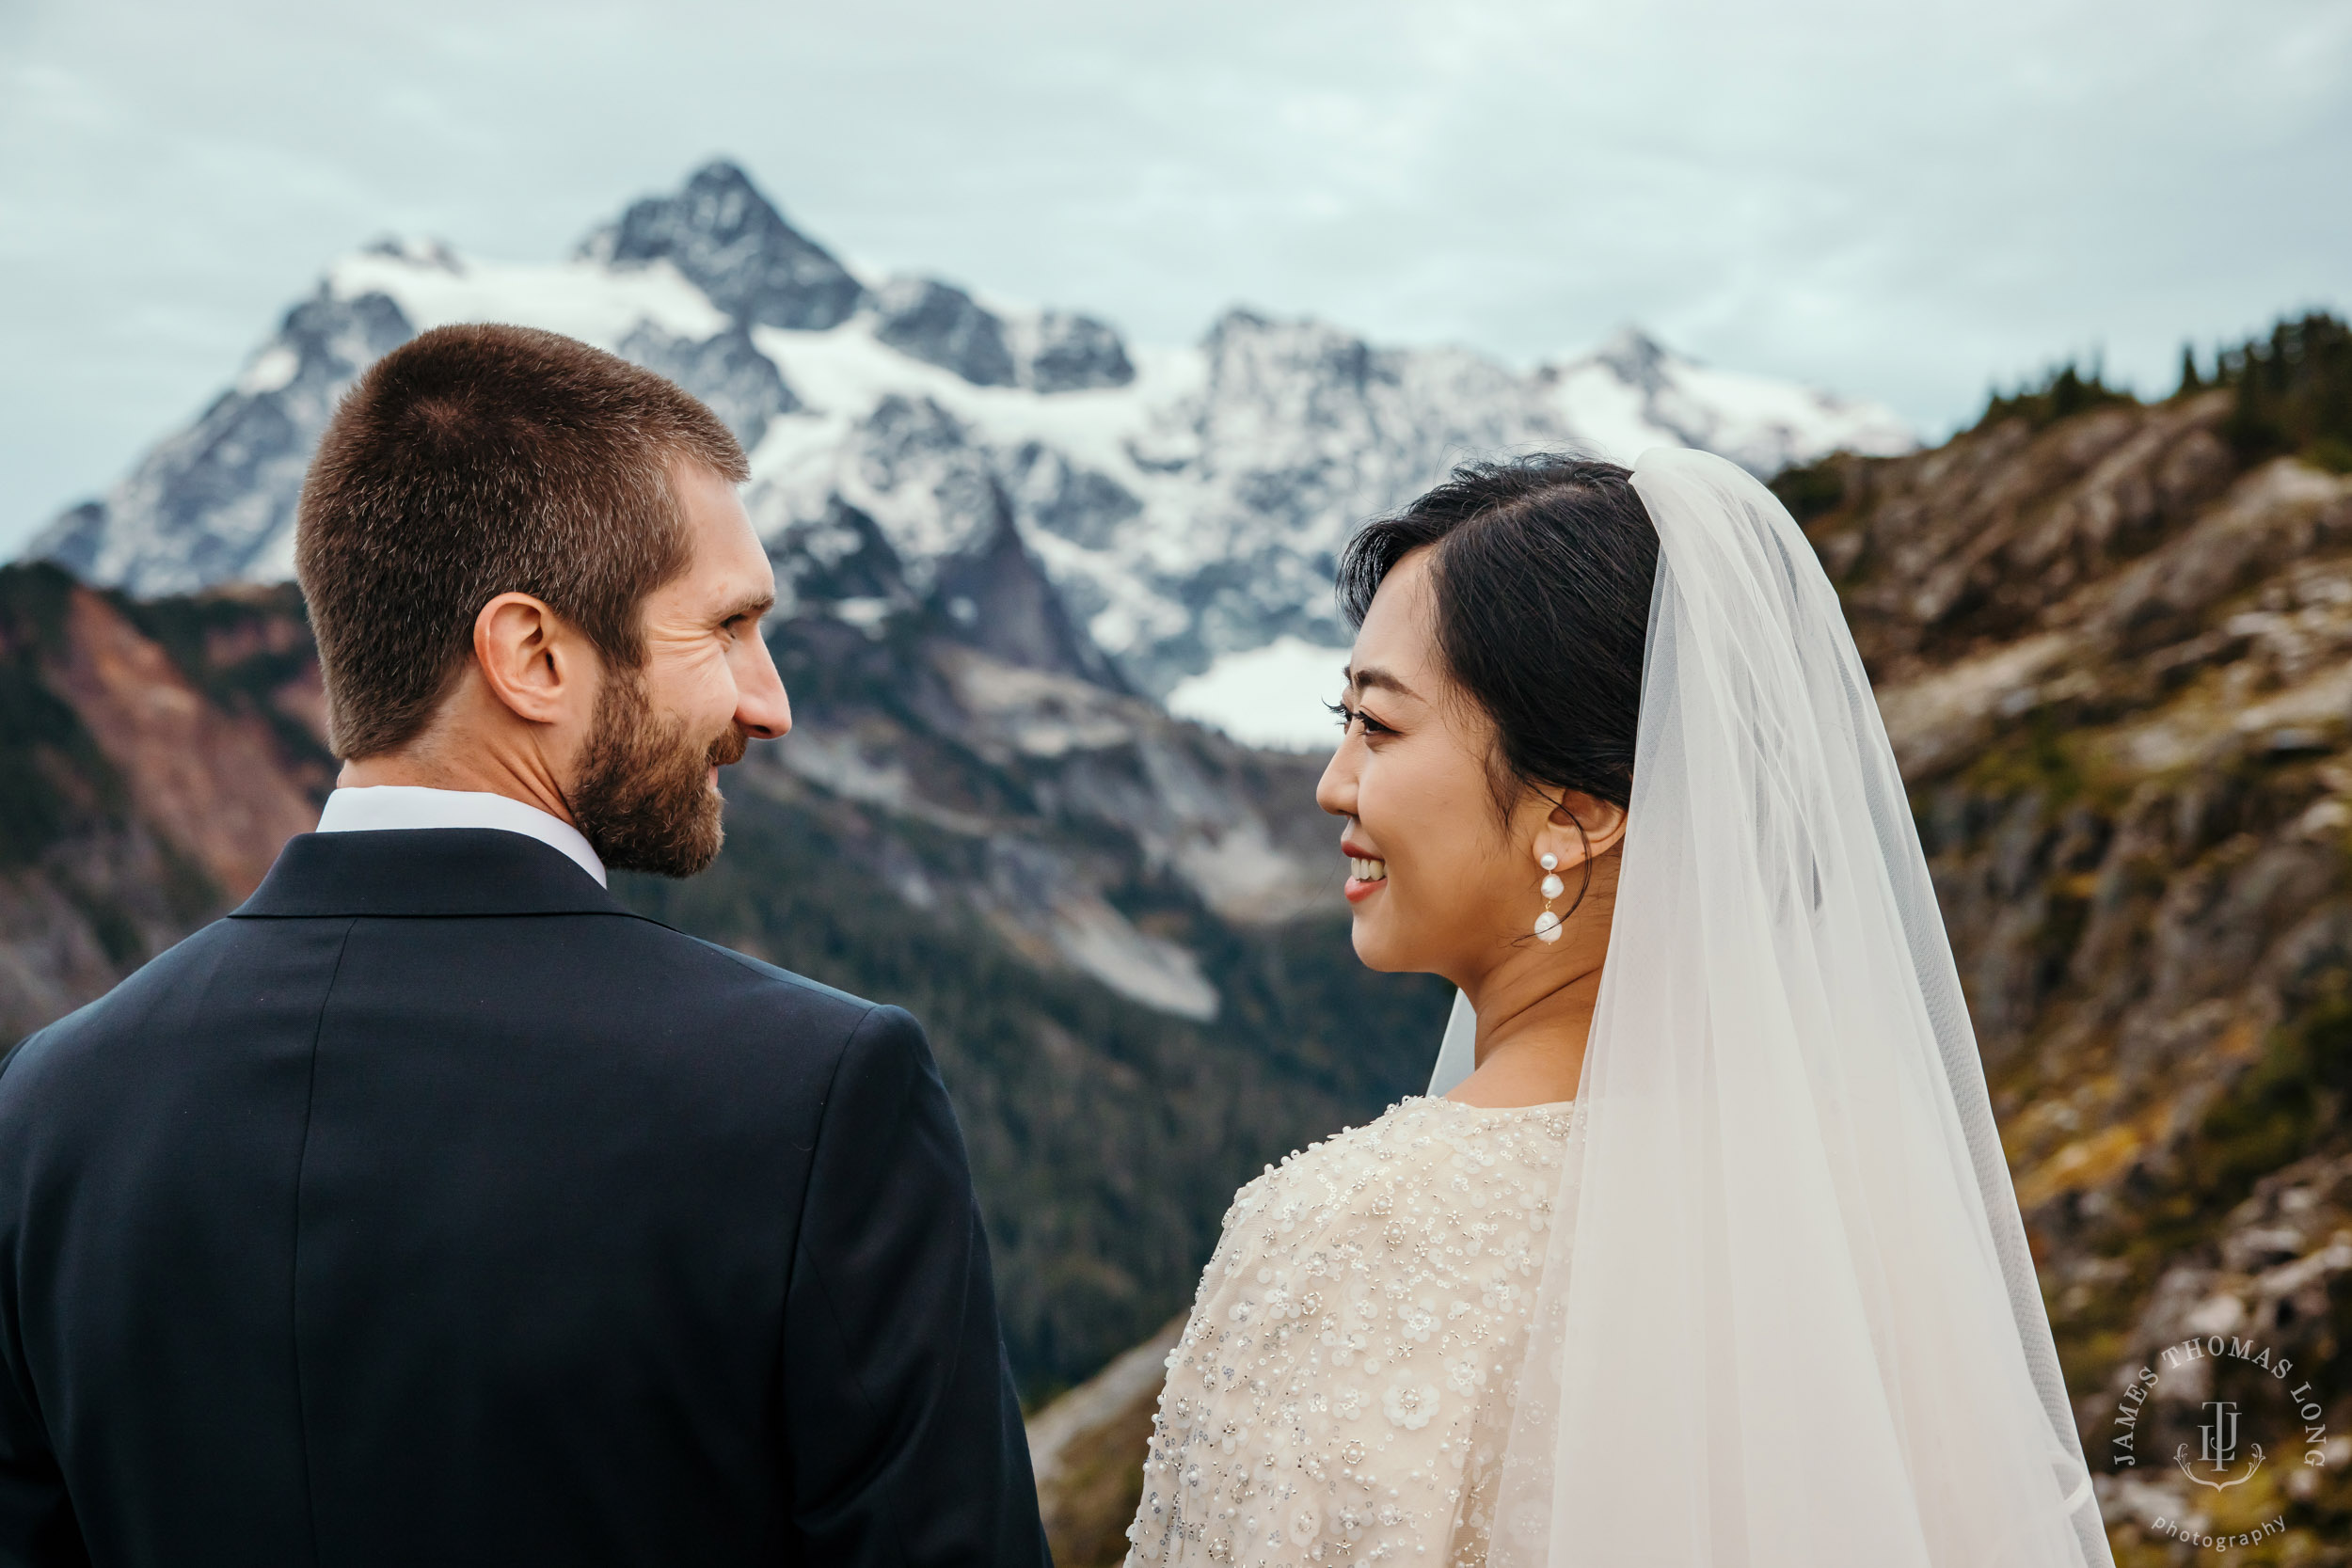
[(2115, 656), (1185, 503), (152, 759)]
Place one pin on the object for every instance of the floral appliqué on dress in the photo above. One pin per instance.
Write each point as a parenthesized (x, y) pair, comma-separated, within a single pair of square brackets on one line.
[(1343, 1389)]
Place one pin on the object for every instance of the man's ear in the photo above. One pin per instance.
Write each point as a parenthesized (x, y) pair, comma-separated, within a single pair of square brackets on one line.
[(530, 660)]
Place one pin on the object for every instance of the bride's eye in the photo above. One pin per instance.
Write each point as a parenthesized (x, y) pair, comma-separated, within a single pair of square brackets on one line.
[(1347, 716)]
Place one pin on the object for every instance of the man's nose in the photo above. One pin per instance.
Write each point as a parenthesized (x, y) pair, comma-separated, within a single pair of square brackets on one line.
[(762, 709)]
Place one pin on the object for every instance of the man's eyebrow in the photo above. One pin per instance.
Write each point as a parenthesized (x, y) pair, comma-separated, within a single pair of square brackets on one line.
[(750, 604), (1375, 677)]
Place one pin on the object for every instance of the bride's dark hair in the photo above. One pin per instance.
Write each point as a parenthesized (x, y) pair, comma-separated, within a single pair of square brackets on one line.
[(1543, 574)]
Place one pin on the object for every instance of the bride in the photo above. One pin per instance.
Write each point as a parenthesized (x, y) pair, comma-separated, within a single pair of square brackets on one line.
[(1701, 1250)]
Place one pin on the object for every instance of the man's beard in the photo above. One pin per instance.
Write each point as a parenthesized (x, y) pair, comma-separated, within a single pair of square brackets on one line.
[(645, 800)]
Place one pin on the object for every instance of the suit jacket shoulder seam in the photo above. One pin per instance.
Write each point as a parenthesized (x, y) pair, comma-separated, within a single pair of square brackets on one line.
[(785, 976)]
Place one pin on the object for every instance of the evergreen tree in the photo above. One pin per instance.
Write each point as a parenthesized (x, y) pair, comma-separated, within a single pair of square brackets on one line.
[(2294, 392), (2064, 392)]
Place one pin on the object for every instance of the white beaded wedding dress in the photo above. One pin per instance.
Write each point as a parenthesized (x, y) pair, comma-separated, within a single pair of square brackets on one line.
[(1337, 1396), (1760, 1296)]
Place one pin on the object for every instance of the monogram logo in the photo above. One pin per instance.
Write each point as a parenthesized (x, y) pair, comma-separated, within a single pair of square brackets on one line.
[(2218, 1450)]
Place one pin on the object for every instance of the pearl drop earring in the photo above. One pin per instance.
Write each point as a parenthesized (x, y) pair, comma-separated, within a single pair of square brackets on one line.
[(1548, 924)]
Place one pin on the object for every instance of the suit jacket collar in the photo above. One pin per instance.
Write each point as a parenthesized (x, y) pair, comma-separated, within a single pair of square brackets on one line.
[(424, 871)]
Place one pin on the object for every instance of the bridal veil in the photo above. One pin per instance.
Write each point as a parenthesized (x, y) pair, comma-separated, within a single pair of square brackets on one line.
[(1789, 1318)]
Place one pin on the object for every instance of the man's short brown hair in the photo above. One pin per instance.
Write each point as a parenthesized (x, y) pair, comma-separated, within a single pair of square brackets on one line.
[(476, 461)]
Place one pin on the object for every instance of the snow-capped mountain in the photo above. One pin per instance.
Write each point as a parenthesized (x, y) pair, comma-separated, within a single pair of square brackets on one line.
[(1186, 503)]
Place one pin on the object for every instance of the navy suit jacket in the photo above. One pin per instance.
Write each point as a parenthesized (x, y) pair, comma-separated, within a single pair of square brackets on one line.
[(435, 1208)]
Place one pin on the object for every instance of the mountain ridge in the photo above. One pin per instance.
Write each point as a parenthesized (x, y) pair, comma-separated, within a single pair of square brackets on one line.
[(1186, 503)]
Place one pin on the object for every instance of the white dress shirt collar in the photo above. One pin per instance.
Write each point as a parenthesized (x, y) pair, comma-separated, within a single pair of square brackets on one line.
[(377, 806)]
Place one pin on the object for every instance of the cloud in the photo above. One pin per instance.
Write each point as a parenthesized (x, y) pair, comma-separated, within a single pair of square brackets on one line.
[(1903, 202)]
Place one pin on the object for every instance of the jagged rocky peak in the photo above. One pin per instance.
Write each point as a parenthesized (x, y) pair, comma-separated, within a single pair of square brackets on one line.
[(910, 466), (1407, 406), (325, 340), (1066, 500), (1254, 349), (1075, 353), (1049, 351), (726, 371), (941, 325), (730, 242), (427, 252), (1632, 391), (1638, 360), (1342, 429), (989, 594), (1000, 601), (216, 503), (1265, 385), (837, 562), (931, 485)]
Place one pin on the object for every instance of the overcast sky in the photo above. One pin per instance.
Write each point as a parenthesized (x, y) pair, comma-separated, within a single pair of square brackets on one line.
[(1900, 200)]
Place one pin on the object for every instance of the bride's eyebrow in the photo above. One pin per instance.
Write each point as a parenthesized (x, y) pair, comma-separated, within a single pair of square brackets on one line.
[(1376, 678)]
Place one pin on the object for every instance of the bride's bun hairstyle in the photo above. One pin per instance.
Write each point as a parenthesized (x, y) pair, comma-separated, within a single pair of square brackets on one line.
[(1542, 571)]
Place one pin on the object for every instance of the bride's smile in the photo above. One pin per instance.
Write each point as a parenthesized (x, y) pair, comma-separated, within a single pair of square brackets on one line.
[(1459, 863)]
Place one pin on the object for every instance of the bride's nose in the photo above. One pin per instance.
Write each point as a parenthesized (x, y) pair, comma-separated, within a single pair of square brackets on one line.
[(1335, 792)]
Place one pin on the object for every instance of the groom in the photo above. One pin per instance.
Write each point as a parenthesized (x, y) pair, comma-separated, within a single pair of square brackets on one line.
[(434, 1208)]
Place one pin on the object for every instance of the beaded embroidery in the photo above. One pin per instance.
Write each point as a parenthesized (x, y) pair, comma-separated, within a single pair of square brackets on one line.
[(1342, 1391)]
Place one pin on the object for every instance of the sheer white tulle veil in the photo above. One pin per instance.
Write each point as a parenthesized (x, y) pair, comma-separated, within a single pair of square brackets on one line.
[(1787, 1318)]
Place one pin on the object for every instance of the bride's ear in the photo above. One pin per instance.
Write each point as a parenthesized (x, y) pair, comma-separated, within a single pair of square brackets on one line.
[(1581, 827)]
